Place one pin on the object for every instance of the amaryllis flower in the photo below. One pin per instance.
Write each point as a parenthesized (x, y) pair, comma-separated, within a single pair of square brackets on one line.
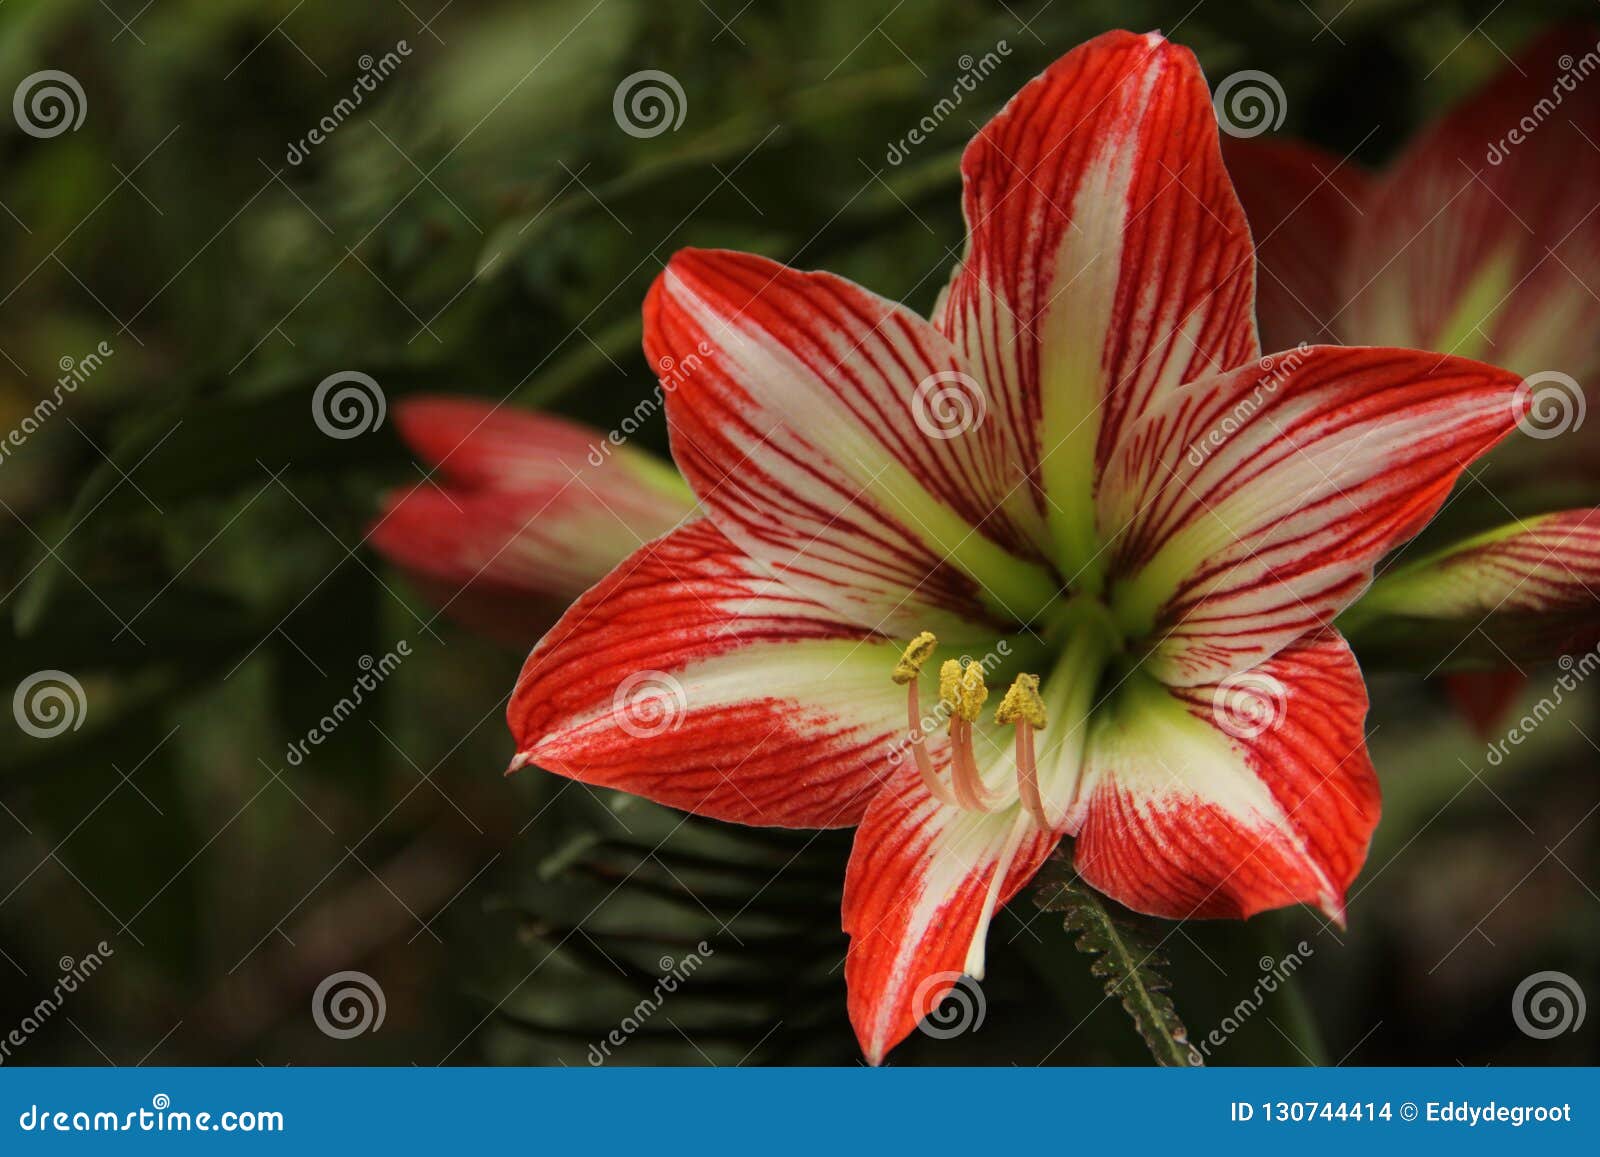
[(521, 513), (1060, 562), (1477, 241)]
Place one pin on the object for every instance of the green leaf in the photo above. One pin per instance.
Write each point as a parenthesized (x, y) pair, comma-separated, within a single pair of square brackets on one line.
[(199, 449), (1127, 959), (679, 172), (620, 892)]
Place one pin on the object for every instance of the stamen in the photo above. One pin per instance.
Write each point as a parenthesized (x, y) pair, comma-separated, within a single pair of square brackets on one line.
[(950, 686), (964, 690), (964, 775), (1028, 776), (1024, 707), (908, 671), (1022, 702), (974, 692), (918, 653)]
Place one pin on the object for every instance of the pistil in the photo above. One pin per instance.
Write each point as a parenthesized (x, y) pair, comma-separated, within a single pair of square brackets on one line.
[(1087, 635)]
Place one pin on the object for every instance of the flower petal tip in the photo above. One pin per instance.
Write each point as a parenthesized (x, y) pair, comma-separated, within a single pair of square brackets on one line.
[(872, 1042), (1483, 699), (425, 422), (1333, 907)]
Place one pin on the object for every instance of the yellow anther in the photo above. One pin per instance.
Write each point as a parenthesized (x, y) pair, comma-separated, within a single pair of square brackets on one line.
[(1022, 702), (918, 653), (974, 692), (962, 689), (950, 684)]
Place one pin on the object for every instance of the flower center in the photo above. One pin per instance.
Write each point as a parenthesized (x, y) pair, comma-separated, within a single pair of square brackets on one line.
[(1040, 777)]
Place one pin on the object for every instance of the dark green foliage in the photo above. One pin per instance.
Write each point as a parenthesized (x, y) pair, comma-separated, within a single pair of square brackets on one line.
[(1127, 956)]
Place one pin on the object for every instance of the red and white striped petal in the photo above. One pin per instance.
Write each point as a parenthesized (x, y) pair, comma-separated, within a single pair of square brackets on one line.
[(506, 563), (526, 519), (475, 444), (691, 678), (924, 881), (1303, 205), (1252, 507), (1482, 239), (1107, 261), (1532, 588), (1549, 564), (1224, 800), (840, 441)]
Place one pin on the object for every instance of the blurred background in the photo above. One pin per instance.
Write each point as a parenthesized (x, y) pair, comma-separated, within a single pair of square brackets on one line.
[(181, 538)]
